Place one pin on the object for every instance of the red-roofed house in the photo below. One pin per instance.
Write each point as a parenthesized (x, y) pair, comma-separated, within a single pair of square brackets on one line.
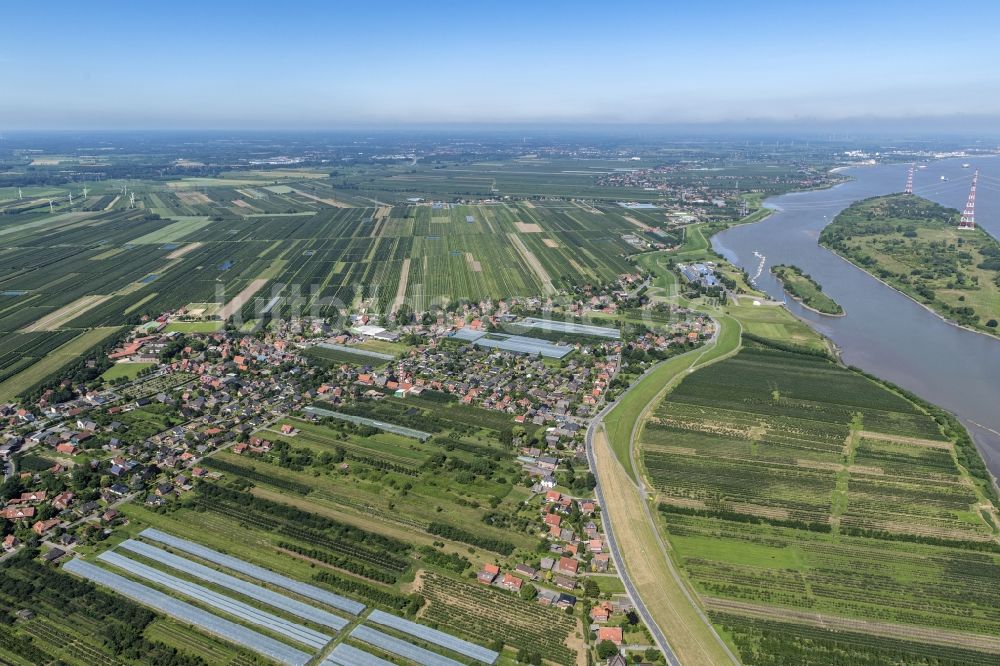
[(613, 634), (511, 582), (568, 566), (599, 614), (17, 512), (62, 500), (488, 574), (43, 526)]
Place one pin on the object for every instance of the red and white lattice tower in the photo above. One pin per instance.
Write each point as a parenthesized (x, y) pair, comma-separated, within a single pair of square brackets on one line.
[(968, 220), (909, 182)]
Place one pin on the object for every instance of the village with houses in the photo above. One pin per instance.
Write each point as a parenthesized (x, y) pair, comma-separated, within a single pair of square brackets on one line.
[(159, 435)]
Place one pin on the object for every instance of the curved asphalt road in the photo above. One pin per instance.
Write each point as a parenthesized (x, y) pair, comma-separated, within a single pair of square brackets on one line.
[(658, 636), (598, 421), (633, 594)]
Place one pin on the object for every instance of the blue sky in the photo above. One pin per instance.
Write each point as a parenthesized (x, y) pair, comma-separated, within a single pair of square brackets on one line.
[(221, 64)]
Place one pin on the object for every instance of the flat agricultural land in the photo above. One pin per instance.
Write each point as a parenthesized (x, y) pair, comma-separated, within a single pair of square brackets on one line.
[(70, 627), (915, 246), (236, 303), (404, 275), (194, 183), (790, 488), (621, 422), (474, 265), (182, 250), (52, 362), (535, 265), (334, 255), (402, 458), (324, 200), (774, 323), (65, 314), (193, 198), (181, 227)]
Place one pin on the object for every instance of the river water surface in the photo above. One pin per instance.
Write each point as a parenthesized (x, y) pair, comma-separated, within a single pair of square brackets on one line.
[(884, 332)]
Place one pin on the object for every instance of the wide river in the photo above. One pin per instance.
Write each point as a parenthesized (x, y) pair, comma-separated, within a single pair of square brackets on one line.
[(883, 331)]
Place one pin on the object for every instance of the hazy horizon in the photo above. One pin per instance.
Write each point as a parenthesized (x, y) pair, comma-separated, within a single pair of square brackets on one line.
[(313, 66)]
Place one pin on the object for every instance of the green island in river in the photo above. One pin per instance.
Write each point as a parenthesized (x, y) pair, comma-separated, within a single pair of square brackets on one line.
[(915, 246), (802, 287)]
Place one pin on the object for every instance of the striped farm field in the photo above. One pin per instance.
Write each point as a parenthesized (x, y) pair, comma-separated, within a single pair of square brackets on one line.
[(792, 489), (52, 362)]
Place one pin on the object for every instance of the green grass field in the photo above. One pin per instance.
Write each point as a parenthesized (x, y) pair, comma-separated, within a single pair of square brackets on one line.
[(193, 327), (180, 227), (695, 242), (125, 370), (775, 323)]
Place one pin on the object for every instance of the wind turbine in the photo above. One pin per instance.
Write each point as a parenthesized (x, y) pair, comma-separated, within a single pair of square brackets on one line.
[(51, 210), (19, 194), (70, 198), (84, 191)]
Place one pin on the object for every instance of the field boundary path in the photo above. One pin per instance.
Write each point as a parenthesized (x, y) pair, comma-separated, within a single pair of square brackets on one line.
[(404, 279), (670, 605), (533, 263), (838, 623), (62, 316), (239, 300)]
